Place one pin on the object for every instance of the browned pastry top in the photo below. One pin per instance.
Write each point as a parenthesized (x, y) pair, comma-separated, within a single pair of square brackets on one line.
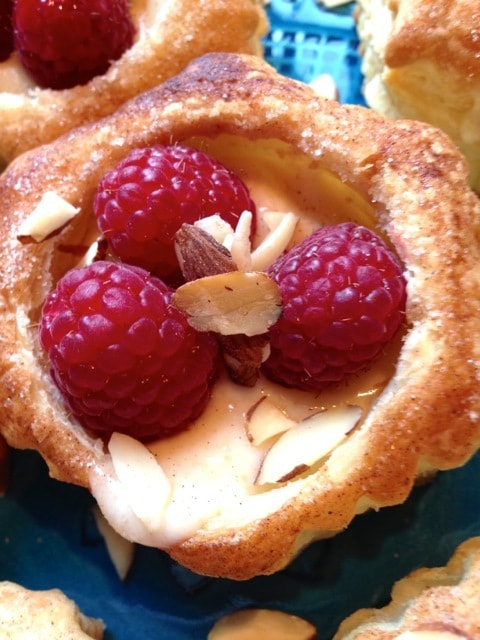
[(402, 177), (446, 31)]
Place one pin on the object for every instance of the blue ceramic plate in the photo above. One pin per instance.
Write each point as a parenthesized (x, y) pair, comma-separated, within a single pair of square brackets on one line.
[(48, 536)]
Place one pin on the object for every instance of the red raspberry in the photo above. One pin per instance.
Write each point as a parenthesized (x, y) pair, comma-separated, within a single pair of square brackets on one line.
[(63, 43), (124, 358), (6, 29), (144, 200), (343, 298)]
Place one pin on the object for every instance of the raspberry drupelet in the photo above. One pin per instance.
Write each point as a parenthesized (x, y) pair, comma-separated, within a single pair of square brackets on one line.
[(123, 357), (343, 295), (145, 199), (6, 29), (64, 43)]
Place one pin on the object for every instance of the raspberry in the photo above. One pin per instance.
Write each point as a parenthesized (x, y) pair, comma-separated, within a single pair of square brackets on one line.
[(343, 296), (63, 43), (6, 29), (124, 358), (144, 200)]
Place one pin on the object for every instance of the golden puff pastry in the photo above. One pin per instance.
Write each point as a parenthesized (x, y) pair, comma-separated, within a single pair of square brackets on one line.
[(421, 59), (43, 614), (328, 163), (168, 36), (430, 604)]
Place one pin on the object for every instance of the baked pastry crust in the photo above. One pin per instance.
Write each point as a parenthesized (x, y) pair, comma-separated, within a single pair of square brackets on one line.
[(43, 614), (421, 59), (430, 604), (168, 36), (413, 186)]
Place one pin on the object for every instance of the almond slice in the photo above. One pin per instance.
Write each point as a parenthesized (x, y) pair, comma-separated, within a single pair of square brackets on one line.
[(306, 443), (120, 550), (230, 303), (240, 248), (275, 242), (141, 478), (254, 624), (265, 420), (50, 214)]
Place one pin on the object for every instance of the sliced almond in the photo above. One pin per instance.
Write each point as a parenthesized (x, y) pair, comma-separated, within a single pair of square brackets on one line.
[(120, 550), (230, 303), (51, 214), (217, 227), (141, 478), (265, 420), (306, 443), (275, 243), (324, 85), (240, 248), (255, 624)]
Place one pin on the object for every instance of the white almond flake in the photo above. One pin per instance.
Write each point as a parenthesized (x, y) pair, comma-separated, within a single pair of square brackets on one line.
[(240, 248), (50, 214), (144, 482), (265, 420), (217, 227), (120, 550), (306, 443), (275, 243), (324, 85)]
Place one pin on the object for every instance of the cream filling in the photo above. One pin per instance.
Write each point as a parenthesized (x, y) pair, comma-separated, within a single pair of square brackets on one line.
[(211, 468)]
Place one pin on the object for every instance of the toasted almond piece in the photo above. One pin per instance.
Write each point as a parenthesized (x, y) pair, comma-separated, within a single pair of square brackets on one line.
[(275, 243), (265, 420), (306, 443), (120, 550), (50, 214), (230, 303), (141, 477), (253, 624)]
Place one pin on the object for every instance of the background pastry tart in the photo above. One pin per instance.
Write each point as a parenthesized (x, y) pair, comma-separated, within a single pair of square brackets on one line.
[(167, 35), (197, 494), (421, 60), (25, 613), (430, 604)]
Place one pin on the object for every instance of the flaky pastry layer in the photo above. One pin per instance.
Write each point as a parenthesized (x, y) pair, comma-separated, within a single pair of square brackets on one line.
[(421, 60), (413, 186), (44, 614)]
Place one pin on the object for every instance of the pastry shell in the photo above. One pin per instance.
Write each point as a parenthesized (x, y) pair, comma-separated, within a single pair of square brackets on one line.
[(25, 613), (168, 36), (406, 178), (421, 60), (438, 603)]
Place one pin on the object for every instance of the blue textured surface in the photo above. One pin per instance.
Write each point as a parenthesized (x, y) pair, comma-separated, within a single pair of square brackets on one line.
[(48, 539), (306, 40)]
